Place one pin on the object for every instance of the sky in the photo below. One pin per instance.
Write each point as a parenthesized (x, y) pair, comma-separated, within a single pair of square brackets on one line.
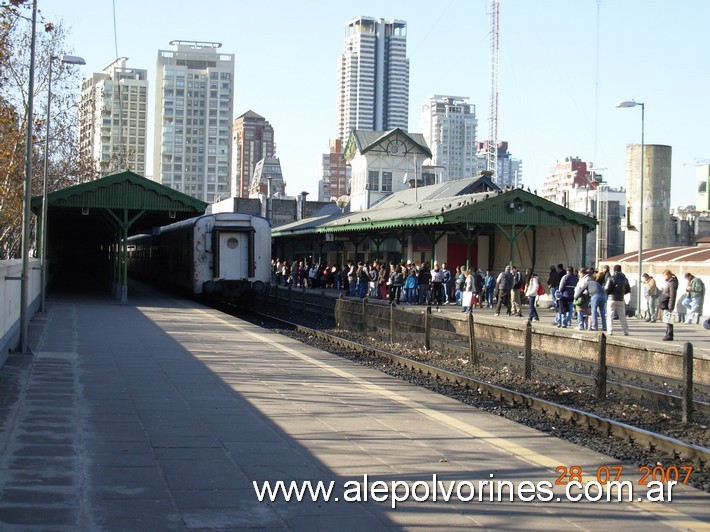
[(563, 65)]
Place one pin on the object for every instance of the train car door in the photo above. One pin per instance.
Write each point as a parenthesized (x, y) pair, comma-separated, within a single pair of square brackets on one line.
[(233, 255)]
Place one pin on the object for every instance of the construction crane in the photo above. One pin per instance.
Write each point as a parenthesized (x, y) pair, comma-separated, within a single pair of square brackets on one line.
[(492, 152)]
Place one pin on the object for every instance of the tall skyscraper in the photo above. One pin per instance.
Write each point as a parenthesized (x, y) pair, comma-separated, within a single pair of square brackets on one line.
[(112, 118), (252, 141), (448, 124), (373, 77), (193, 114)]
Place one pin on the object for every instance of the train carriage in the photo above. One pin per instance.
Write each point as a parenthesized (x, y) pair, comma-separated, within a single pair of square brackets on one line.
[(225, 256)]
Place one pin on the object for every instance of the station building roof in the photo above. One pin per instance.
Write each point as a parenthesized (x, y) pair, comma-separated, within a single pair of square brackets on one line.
[(673, 255), (123, 190), (446, 204)]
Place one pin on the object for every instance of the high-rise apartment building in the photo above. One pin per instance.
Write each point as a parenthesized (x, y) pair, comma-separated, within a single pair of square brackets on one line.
[(373, 77), (448, 124), (510, 170), (252, 141), (112, 118), (336, 173), (193, 113), (568, 174)]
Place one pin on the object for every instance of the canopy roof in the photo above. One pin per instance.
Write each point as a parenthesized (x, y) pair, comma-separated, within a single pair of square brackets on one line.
[(123, 190), (400, 210)]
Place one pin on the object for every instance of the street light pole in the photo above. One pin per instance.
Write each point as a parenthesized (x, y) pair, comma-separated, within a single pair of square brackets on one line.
[(631, 103), (71, 60), (25, 277)]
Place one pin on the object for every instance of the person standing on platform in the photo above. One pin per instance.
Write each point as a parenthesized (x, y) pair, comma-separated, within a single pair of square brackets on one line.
[(437, 279), (651, 297), (695, 294), (410, 286), (446, 283), (667, 302), (567, 286), (489, 286), (460, 281), (553, 281), (504, 284), (467, 294), (515, 292), (597, 301), (616, 288), (424, 280), (531, 293)]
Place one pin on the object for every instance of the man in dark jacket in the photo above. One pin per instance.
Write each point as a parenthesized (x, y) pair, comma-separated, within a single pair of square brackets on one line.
[(667, 302), (553, 281), (567, 285), (504, 284), (617, 286)]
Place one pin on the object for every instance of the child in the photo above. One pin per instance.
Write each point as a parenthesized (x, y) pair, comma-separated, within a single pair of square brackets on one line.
[(560, 311)]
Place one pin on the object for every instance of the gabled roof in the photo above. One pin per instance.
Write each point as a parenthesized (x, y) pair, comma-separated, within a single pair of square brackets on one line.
[(125, 190), (309, 226), (515, 206), (449, 189), (361, 141)]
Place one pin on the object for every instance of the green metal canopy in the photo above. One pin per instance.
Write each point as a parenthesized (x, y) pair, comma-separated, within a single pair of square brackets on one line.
[(513, 207), (124, 190), (88, 225)]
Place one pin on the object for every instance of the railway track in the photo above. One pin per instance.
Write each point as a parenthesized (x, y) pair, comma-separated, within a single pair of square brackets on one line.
[(644, 439)]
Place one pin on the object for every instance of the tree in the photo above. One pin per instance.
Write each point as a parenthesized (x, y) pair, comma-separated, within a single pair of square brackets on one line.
[(64, 166)]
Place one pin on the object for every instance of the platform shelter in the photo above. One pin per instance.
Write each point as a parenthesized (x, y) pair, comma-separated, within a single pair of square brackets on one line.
[(88, 226)]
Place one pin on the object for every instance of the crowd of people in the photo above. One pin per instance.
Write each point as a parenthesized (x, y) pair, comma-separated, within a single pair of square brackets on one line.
[(593, 298)]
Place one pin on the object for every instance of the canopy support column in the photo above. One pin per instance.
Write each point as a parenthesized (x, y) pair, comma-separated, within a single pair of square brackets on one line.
[(512, 239), (123, 226)]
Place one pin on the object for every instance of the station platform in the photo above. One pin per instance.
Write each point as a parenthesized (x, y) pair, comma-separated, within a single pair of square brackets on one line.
[(162, 414), (641, 332)]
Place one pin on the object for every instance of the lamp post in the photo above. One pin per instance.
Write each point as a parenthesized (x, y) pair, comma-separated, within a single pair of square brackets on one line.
[(632, 103), (26, 213), (70, 60)]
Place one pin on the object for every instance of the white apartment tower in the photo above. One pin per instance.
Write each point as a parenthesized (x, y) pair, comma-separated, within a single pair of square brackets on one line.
[(193, 116), (112, 118), (373, 77), (448, 124)]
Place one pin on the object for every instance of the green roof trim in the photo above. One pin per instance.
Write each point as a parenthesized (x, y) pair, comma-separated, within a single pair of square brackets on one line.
[(125, 190), (514, 207)]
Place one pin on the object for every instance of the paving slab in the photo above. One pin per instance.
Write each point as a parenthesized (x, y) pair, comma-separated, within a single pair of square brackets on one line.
[(163, 414)]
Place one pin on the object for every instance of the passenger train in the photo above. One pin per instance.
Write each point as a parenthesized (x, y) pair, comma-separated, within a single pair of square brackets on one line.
[(222, 257)]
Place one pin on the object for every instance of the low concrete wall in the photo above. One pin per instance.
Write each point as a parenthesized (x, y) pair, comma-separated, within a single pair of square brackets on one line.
[(10, 295)]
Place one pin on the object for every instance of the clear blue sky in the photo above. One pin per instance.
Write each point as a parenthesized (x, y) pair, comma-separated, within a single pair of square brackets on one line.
[(557, 89)]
